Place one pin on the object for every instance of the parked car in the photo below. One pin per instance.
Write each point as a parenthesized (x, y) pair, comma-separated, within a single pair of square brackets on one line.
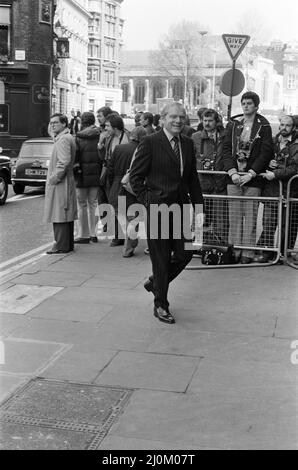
[(31, 166), (4, 177)]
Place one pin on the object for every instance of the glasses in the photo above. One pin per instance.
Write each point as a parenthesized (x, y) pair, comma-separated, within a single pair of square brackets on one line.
[(54, 123)]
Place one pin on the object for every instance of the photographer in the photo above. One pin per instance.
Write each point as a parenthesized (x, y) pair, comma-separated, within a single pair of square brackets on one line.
[(209, 148), (248, 148)]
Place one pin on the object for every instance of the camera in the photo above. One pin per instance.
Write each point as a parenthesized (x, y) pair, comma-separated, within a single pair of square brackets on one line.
[(208, 164)]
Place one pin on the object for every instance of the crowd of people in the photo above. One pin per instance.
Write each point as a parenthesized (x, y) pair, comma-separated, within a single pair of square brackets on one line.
[(161, 157)]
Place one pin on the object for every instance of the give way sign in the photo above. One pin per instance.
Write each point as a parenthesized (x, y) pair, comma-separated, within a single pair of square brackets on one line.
[(235, 43)]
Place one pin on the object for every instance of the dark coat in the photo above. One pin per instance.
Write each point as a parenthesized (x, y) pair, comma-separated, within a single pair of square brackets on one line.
[(117, 166), (286, 165), (208, 150), (261, 147), (88, 157), (155, 174)]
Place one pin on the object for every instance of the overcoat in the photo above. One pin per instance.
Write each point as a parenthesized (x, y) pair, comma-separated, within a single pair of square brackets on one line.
[(60, 193)]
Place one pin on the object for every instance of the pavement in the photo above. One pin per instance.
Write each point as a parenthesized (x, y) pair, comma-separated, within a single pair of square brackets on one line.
[(86, 365)]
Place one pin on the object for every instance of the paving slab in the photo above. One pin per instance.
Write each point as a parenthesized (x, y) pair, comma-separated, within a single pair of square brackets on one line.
[(119, 296), (21, 298), (8, 385), (287, 327), (29, 356), (233, 422), (10, 322), (59, 415), (45, 278), (78, 366), (149, 371), (58, 331), (122, 443), (83, 311)]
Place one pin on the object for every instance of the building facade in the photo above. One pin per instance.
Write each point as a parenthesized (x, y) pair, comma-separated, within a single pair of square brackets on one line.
[(69, 90), (26, 57), (143, 84), (105, 42)]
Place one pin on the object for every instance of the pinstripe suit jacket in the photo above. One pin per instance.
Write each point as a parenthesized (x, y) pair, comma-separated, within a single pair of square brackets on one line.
[(155, 175)]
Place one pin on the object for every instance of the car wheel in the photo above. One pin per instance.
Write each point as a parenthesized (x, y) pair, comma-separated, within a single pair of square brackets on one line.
[(3, 189), (18, 188)]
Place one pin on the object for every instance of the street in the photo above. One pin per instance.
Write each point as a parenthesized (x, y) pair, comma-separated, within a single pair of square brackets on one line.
[(22, 226)]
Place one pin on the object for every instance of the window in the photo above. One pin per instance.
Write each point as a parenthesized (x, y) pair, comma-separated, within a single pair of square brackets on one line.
[(178, 90), (62, 101), (93, 74), (91, 105), (125, 92), (109, 78), (4, 33), (110, 9), (157, 92), (110, 50), (291, 82), (140, 92)]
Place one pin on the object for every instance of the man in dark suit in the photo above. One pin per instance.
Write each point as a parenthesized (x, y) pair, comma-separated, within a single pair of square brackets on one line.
[(164, 173)]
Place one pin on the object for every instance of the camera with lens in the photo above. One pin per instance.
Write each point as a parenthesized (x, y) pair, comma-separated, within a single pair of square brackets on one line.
[(208, 164)]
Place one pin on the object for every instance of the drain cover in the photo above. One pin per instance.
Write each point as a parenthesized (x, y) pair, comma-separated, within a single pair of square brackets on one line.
[(47, 414)]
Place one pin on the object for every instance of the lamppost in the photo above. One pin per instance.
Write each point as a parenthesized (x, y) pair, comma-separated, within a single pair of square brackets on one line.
[(202, 33), (214, 50)]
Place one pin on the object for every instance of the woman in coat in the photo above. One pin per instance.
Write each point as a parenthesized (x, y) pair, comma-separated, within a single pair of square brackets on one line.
[(87, 180), (60, 196)]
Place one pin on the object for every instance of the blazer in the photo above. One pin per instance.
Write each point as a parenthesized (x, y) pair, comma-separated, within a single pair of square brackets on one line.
[(155, 175), (117, 167)]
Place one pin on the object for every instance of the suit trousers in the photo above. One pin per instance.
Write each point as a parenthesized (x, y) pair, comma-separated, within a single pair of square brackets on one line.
[(168, 257), (63, 235), (243, 217), (87, 204)]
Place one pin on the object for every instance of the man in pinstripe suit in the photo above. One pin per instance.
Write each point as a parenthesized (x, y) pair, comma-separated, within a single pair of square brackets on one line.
[(164, 172)]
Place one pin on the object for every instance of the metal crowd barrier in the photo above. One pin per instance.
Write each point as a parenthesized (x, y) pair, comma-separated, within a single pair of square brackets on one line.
[(228, 222), (291, 223)]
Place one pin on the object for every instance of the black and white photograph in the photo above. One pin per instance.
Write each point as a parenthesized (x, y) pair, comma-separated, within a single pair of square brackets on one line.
[(149, 229)]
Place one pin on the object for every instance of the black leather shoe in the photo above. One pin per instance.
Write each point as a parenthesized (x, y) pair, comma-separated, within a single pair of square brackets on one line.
[(163, 315), (94, 239), (148, 285), (82, 240), (117, 242)]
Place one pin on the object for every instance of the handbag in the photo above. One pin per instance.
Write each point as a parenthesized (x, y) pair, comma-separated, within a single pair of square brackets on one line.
[(125, 180), (215, 251)]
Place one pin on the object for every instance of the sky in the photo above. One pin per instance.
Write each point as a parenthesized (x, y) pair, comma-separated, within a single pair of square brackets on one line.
[(147, 20)]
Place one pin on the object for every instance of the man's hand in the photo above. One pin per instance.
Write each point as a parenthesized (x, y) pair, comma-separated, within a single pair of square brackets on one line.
[(53, 180), (245, 179), (236, 179), (269, 175)]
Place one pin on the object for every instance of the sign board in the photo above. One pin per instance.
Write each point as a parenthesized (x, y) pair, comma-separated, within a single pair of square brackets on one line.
[(20, 55), (227, 80), (235, 43), (63, 48), (41, 94)]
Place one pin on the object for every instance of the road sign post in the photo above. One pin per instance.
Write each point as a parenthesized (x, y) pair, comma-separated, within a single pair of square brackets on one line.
[(235, 43)]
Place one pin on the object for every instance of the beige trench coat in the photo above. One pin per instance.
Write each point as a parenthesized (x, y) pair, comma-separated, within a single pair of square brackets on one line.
[(60, 194)]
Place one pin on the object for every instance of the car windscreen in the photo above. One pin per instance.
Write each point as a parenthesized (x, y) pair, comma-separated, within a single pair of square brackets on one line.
[(36, 150)]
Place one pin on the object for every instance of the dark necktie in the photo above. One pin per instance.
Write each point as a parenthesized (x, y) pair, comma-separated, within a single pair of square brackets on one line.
[(176, 148)]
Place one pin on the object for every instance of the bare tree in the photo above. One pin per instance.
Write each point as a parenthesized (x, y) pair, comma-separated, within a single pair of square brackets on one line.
[(179, 54), (253, 23)]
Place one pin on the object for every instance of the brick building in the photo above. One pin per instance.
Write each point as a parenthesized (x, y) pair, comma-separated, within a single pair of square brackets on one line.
[(26, 55)]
